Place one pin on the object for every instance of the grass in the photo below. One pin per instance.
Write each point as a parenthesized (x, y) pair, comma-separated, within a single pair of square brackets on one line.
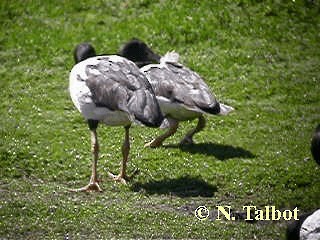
[(261, 57)]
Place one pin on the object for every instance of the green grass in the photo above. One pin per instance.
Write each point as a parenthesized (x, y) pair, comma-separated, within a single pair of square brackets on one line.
[(262, 57)]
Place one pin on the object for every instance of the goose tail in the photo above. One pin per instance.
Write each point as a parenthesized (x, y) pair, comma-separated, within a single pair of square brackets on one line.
[(225, 109), (170, 57)]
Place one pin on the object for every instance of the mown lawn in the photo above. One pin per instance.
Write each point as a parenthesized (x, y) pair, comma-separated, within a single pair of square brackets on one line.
[(261, 57)]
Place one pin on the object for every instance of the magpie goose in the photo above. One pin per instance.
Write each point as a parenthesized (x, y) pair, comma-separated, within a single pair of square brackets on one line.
[(182, 94), (110, 89)]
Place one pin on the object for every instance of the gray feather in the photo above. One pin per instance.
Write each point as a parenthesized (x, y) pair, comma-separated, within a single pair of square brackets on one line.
[(119, 85), (180, 84)]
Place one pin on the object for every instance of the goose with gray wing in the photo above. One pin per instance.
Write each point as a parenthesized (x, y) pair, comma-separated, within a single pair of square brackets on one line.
[(111, 90), (182, 95)]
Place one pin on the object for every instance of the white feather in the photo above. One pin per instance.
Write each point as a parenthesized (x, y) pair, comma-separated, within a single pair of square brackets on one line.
[(82, 97), (170, 57), (225, 109), (178, 111)]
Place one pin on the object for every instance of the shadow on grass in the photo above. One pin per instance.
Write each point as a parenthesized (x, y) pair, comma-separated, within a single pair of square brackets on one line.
[(185, 186), (221, 152)]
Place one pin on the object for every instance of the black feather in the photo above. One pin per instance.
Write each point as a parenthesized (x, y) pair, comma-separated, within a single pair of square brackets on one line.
[(315, 145), (83, 51), (138, 52)]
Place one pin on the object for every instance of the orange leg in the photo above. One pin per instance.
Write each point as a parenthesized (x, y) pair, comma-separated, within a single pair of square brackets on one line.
[(157, 142), (188, 137), (122, 176), (93, 184)]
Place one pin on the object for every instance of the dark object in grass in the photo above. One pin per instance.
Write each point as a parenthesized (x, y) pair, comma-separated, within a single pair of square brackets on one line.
[(138, 52), (112, 90), (315, 145), (242, 216), (83, 51)]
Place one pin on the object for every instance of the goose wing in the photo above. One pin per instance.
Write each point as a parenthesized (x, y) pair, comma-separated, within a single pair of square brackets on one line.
[(117, 84), (179, 84)]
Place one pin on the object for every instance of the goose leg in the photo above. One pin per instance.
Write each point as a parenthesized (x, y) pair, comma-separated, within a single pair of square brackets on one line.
[(122, 177), (188, 137), (93, 184), (157, 142)]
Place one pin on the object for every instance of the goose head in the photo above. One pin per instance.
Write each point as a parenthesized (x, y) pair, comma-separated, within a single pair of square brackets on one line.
[(83, 51), (138, 52)]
